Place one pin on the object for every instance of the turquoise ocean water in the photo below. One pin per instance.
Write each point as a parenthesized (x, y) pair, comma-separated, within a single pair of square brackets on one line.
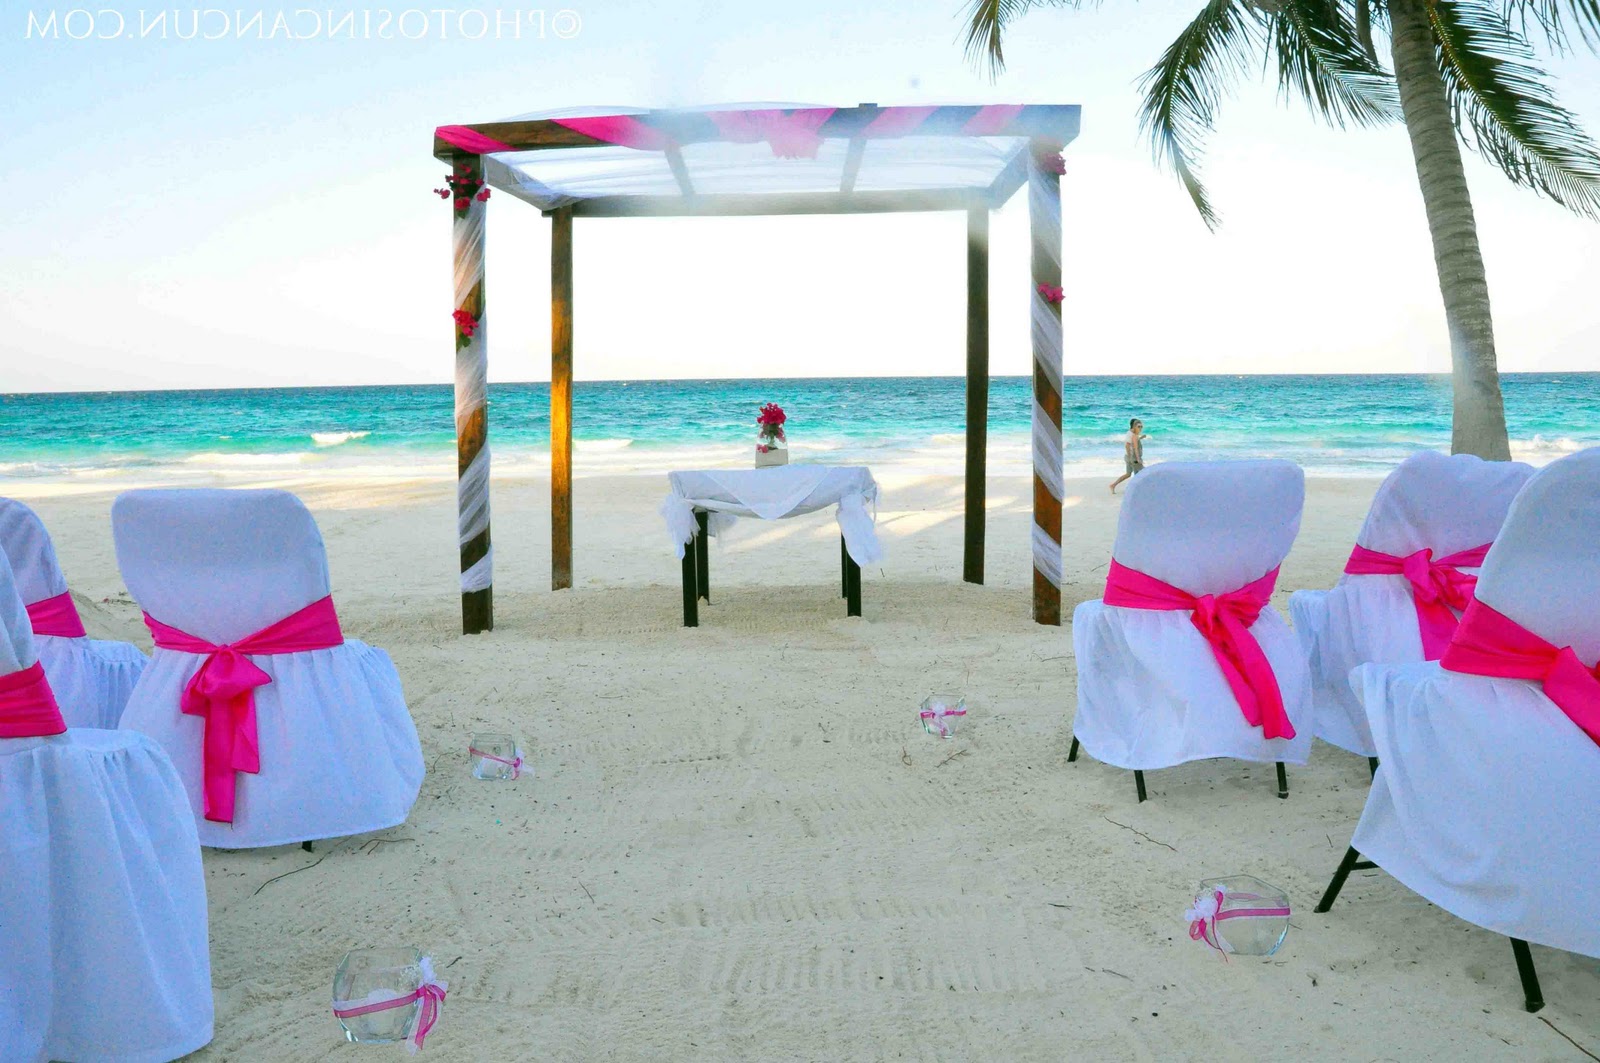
[(1332, 425)]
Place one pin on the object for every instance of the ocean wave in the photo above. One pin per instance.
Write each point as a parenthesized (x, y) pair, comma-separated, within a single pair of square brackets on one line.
[(1540, 451), (601, 446), (218, 459), (333, 439)]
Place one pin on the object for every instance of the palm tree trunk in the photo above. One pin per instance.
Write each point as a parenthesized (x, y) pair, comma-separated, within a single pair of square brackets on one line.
[(1479, 424)]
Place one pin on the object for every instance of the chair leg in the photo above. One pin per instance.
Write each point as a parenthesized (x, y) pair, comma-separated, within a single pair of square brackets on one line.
[(844, 569), (1072, 754), (1283, 781), (1138, 780), (1372, 766), (307, 847), (1532, 997), (1351, 862)]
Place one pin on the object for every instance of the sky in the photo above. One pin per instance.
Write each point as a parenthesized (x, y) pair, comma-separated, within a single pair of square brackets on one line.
[(257, 212)]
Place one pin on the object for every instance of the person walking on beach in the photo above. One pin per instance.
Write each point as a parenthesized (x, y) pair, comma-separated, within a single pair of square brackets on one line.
[(1132, 452)]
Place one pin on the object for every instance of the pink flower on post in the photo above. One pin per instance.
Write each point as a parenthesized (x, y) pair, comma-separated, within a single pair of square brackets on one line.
[(484, 195), (1052, 293)]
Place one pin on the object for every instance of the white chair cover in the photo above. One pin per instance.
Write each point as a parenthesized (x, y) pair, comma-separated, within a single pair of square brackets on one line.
[(1446, 503), (1150, 692), (92, 678), (339, 752), (102, 896), (1485, 800)]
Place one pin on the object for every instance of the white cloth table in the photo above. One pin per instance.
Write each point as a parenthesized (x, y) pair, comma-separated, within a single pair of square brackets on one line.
[(339, 753), (1150, 691), (706, 502), (1444, 503), (92, 678), (104, 953)]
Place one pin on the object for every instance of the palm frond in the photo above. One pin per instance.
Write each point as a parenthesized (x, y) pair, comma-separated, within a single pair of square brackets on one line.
[(1507, 103), (1549, 19), (1183, 90), (986, 24), (1364, 28), (1321, 58)]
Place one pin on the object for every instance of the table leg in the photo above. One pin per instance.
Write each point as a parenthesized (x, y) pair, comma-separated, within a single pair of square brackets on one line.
[(691, 583), (852, 585), (702, 557)]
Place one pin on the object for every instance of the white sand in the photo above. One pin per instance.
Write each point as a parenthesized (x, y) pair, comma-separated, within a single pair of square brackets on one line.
[(739, 844)]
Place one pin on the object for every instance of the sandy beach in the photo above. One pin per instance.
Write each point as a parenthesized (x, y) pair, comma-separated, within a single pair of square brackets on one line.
[(737, 843)]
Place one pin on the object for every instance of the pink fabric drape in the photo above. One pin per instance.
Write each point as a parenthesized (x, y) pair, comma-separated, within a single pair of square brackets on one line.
[(991, 120), (790, 134), (1224, 620), (468, 139), (56, 616), (1439, 589), (28, 706), (223, 692), (1490, 643), (621, 129)]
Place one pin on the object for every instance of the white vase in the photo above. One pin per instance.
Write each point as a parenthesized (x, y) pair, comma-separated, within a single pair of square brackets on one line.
[(775, 452)]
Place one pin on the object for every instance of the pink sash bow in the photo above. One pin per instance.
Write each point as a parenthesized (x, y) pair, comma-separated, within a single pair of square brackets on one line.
[(1439, 589), (1491, 643), (56, 616), (1224, 620), (223, 691), (28, 706)]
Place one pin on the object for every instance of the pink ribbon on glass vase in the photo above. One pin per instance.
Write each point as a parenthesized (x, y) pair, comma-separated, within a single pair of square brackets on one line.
[(223, 692), (514, 765), (1224, 620), (56, 616), (1439, 589), (1489, 643), (1207, 912), (430, 994)]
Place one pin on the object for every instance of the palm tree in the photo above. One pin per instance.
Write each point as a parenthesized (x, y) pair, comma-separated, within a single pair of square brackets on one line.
[(1463, 71)]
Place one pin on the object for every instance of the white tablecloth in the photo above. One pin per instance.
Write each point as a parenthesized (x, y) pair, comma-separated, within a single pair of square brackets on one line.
[(773, 494)]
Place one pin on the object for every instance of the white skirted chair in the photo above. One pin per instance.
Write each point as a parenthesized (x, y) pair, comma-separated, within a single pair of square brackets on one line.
[(281, 728), (102, 896), (1489, 758), (92, 678), (1184, 659), (1407, 580)]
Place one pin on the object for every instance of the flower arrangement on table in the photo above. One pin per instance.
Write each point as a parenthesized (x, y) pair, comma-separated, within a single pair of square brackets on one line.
[(772, 446)]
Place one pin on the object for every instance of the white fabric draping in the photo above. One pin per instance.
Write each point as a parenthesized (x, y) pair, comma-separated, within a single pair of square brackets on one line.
[(774, 494), (469, 234), (550, 179), (1484, 802), (339, 752), (92, 678), (1150, 692), (103, 945), (1044, 219), (1444, 503)]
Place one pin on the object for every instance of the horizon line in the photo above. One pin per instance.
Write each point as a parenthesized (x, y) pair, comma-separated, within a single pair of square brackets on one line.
[(1445, 375)]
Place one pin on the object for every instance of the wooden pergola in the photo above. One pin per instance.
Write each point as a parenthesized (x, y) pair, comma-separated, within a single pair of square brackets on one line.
[(759, 160)]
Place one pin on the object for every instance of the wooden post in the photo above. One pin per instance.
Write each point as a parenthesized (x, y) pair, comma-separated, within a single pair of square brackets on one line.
[(561, 399), (977, 391), (471, 401), (1044, 221)]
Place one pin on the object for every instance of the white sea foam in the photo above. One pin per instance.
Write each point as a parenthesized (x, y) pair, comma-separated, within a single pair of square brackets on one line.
[(333, 439), (1542, 451)]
